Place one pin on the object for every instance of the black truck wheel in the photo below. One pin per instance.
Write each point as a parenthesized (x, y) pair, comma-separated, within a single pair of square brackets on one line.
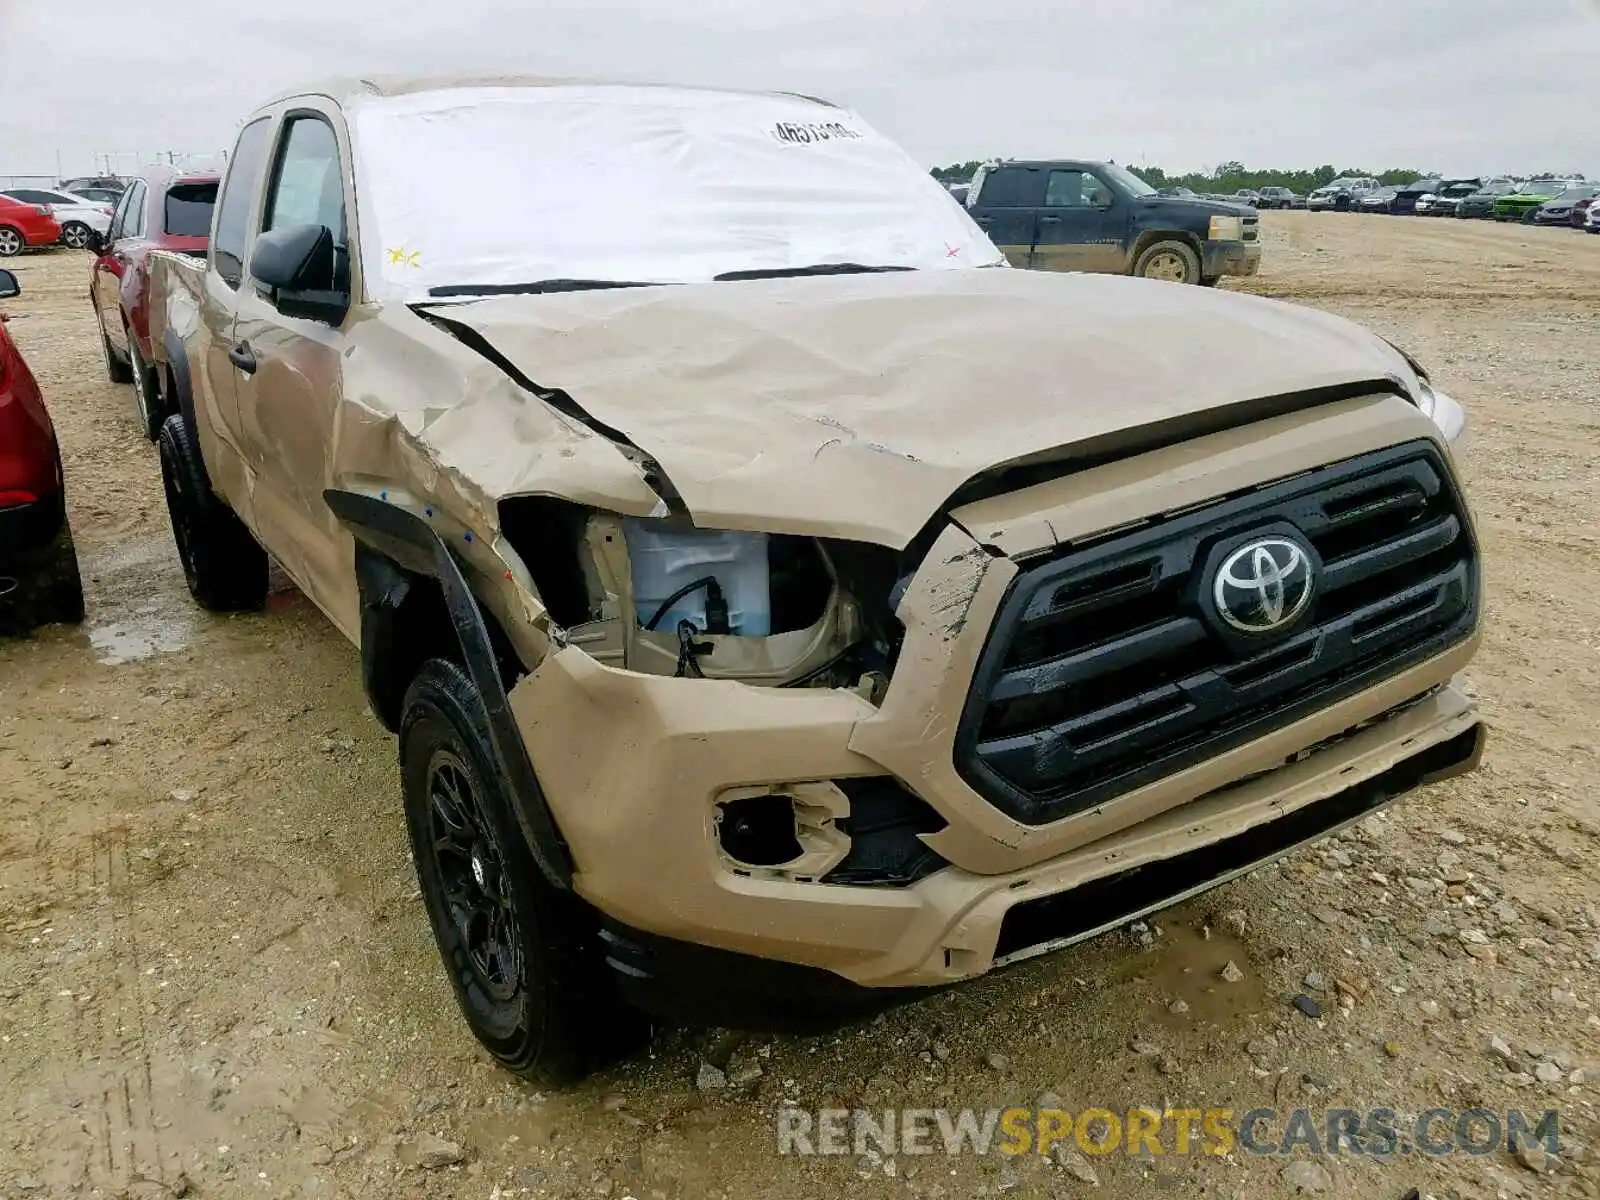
[(1173, 261), (525, 959), (146, 396), (223, 564)]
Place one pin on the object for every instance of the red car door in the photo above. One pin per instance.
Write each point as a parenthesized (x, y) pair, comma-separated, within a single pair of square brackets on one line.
[(126, 238)]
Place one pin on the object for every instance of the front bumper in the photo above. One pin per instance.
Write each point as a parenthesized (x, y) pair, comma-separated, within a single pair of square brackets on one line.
[(1230, 258), (638, 805)]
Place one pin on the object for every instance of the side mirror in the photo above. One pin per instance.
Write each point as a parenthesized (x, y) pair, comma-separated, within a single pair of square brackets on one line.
[(98, 243), (9, 287), (296, 267)]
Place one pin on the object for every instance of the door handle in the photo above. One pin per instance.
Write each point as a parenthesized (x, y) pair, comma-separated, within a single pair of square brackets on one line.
[(1049, 220), (984, 222), (243, 357)]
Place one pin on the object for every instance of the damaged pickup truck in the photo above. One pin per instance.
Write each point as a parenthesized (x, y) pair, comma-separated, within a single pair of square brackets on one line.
[(784, 606)]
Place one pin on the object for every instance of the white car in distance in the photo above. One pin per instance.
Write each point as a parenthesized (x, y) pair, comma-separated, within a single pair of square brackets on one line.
[(79, 217)]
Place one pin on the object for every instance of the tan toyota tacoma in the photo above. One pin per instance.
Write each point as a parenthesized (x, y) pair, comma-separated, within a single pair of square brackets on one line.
[(784, 606)]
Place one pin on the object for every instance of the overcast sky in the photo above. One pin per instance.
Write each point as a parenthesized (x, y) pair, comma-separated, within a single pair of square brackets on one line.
[(1451, 85)]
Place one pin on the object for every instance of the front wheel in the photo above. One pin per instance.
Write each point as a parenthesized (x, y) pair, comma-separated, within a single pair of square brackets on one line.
[(76, 235), (524, 958), (223, 564), (1174, 262)]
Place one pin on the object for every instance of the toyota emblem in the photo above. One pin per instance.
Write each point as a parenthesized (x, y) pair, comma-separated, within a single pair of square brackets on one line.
[(1264, 585)]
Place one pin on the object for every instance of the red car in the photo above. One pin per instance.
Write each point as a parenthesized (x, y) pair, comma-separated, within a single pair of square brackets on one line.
[(23, 225), (38, 567), (165, 210)]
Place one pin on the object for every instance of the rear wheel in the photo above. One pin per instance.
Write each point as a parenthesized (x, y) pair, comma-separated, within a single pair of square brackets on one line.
[(524, 958), (117, 370), (223, 564), (12, 242), (146, 395), (1172, 261), (76, 235)]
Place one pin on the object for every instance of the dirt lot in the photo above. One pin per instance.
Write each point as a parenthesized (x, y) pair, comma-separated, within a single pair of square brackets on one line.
[(217, 978)]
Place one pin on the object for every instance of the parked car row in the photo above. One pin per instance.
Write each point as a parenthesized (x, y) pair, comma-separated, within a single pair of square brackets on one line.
[(79, 216), (1534, 201), (164, 210), (69, 215)]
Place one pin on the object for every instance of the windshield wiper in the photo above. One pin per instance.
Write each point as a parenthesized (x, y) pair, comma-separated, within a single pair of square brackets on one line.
[(539, 288), (845, 268)]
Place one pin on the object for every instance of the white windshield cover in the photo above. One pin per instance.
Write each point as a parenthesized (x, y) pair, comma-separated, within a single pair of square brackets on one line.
[(514, 185)]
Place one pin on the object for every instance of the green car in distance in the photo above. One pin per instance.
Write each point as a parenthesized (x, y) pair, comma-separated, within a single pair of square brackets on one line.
[(1521, 204)]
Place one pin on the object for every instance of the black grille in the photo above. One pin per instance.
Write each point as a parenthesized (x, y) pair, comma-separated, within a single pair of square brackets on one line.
[(1103, 670)]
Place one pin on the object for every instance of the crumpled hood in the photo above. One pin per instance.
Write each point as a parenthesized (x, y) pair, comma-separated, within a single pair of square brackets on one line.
[(854, 406)]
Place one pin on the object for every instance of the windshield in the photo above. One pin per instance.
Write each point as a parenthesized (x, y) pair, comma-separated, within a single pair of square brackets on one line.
[(1541, 188), (1127, 179), (636, 184), (1459, 189)]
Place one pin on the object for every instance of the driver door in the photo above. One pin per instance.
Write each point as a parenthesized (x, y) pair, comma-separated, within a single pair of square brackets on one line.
[(1081, 226), (290, 376)]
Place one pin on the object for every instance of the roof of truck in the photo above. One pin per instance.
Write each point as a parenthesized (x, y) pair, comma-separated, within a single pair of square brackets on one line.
[(352, 89)]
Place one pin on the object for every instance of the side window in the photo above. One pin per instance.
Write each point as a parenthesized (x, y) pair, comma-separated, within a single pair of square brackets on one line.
[(1005, 187), (238, 192), (134, 220), (1065, 189), (30, 196), (119, 219), (1097, 192), (308, 186)]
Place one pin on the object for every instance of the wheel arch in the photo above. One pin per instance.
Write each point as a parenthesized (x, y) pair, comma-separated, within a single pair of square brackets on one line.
[(416, 602), (1151, 236), (175, 373)]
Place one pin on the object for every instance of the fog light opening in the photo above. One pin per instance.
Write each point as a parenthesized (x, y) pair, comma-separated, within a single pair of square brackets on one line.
[(759, 831)]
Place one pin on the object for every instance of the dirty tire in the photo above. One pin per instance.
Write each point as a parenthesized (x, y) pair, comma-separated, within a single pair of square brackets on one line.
[(147, 405), (1210, 280), (75, 235), (224, 566), (11, 241), (48, 591), (1172, 261), (524, 958), (117, 370)]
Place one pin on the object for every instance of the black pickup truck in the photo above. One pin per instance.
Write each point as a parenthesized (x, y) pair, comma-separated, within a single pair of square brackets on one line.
[(1092, 216)]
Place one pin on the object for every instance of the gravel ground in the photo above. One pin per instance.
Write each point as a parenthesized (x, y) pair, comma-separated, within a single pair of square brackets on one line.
[(217, 978)]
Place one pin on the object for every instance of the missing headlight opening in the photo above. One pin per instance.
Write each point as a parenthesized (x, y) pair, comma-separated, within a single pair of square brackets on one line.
[(667, 598)]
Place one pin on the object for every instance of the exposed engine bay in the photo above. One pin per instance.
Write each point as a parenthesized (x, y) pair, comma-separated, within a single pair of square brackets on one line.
[(663, 597)]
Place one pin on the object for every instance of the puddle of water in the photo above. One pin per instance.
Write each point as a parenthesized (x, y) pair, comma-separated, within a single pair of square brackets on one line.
[(137, 601), (1189, 967)]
